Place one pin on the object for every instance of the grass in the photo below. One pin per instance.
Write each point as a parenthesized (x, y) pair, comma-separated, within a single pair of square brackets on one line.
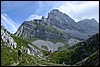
[(10, 56), (45, 47), (92, 60)]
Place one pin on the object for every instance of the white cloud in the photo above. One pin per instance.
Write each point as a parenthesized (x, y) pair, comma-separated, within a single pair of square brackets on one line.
[(77, 9), (8, 23), (34, 16)]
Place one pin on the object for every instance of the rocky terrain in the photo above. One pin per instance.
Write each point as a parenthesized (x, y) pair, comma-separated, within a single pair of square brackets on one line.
[(84, 53), (81, 30), (5, 36), (10, 45), (57, 25), (48, 45), (53, 41)]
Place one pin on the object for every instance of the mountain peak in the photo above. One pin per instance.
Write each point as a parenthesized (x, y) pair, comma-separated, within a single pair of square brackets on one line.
[(88, 20), (55, 11), (93, 20)]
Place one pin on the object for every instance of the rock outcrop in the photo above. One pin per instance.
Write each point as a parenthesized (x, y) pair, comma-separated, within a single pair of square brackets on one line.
[(33, 51), (6, 37)]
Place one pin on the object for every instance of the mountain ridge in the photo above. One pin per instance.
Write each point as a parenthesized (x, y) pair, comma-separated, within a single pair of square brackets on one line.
[(81, 30)]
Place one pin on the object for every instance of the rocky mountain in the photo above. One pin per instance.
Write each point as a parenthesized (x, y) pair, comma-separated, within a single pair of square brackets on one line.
[(58, 25), (61, 20), (40, 30), (85, 28), (37, 30), (81, 30), (53, 41)]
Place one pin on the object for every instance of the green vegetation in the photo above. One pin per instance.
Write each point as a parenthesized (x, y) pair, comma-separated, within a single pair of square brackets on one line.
[(63, 48), (45, 47), (10, 56), (82, 54), (59, 40), (92, 60), (31, 39), (78, 52)]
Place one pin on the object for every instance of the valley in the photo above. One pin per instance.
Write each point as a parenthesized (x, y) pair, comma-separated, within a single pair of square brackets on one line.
[(53, 41)]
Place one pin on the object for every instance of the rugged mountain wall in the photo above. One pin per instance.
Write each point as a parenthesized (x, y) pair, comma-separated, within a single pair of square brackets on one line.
[(48, 28), (81, 30)]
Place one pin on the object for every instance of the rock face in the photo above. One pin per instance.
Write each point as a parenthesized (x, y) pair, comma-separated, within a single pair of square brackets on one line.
[(44, 28), (41, 30), (61, 20), (50, 46), (85, 28), (6, 37), (32, 51), (81, 30)]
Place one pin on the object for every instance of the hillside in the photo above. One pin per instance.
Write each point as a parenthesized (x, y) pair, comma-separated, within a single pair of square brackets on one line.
[(53, 41), (31, 54), (83, 52)]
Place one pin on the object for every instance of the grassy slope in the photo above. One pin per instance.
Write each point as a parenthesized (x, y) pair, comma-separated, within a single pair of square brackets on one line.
[(92, 60), (76, 53), (9, 56)]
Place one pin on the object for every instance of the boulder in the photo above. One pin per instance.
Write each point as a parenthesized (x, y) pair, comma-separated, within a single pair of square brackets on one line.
[(27, 51)]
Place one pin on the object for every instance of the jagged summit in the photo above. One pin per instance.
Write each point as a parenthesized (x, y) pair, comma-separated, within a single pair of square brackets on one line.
[(93, 20), (55, 10), (81, 30), (52, 41)]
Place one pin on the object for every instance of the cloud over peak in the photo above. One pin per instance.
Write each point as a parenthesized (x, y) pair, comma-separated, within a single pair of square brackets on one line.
[(34, 16)]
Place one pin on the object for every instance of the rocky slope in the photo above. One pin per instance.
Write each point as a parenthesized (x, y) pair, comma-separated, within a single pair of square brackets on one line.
[(48, 45), (10, 45), (57, 25), (5, 36), (31, 54), (82, 29), (38, 30)]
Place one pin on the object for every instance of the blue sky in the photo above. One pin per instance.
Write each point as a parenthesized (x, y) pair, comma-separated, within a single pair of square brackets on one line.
[(13, 13)]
